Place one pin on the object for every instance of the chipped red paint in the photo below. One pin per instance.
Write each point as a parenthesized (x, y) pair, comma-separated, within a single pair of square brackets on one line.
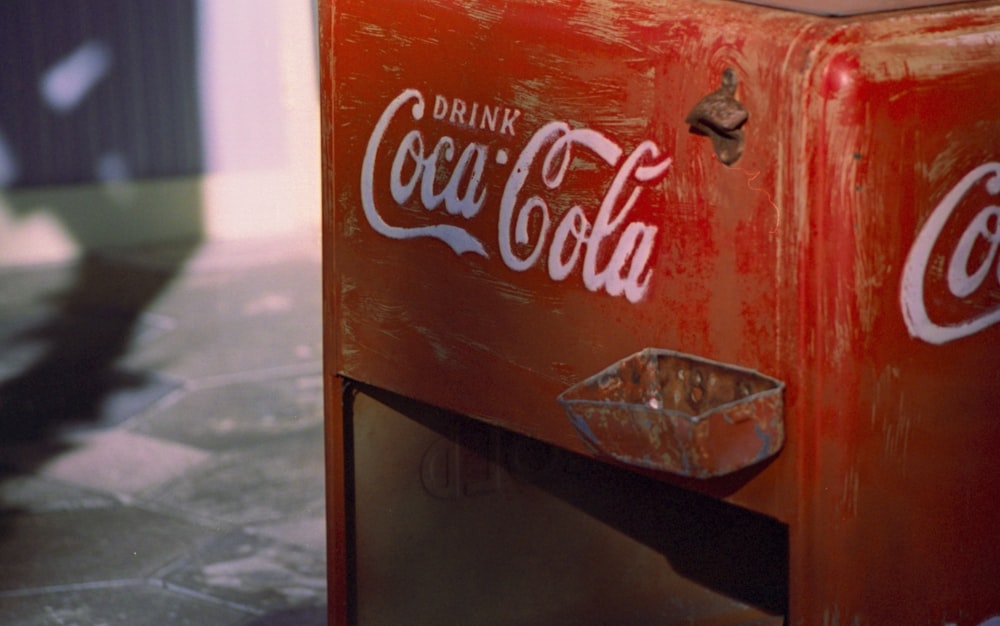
[(829, 255)]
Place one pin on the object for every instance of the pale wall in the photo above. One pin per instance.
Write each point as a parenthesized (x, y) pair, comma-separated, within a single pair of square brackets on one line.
[(260, 137)]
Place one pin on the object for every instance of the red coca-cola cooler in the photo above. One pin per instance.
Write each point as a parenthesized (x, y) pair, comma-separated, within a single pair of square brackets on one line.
[(662, 312)]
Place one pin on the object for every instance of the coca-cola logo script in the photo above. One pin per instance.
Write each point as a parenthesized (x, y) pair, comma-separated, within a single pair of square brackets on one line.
[(951, 280), (604, 243)]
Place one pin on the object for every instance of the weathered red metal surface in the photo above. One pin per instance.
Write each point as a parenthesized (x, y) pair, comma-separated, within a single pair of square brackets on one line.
[(522, 204), (514, 200), (899, 421)]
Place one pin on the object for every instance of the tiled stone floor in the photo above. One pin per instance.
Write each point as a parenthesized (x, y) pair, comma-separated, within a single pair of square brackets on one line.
[(161, 454)]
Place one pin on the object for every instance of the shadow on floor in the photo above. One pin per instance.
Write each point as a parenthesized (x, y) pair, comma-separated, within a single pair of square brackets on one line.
[(95, 321), (161, 452)]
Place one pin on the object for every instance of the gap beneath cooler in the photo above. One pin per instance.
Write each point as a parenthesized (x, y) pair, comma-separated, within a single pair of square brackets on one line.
[(458, 522)]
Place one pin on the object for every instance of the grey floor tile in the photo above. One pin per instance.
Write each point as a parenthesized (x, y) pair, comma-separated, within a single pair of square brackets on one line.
[(128, 395), (53, 402), (63, 334), (255, 571), (22, 492), (232, 255), (89, 545), (19, 346), (264, 483), (26, 288), (225, 347), (238, 415), (115, 461), (306, 616), (307, 531), (171, 426), (134, 604), (61, 352), (230, 322)]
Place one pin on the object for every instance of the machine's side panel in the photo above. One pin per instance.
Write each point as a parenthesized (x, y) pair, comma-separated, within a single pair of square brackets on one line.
[(899, 513), (528, 193)]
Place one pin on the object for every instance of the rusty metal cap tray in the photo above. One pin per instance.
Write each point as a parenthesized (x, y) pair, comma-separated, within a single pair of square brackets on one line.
[(665, 410)]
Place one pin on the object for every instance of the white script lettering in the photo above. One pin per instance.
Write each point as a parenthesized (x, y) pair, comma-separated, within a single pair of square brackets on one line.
[(483, 117), (634, 247), (984, 227), (425, 168), (614, 253)]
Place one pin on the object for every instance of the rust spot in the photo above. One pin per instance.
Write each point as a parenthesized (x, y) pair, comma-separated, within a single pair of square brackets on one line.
[(720, 117), (679, 413)]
